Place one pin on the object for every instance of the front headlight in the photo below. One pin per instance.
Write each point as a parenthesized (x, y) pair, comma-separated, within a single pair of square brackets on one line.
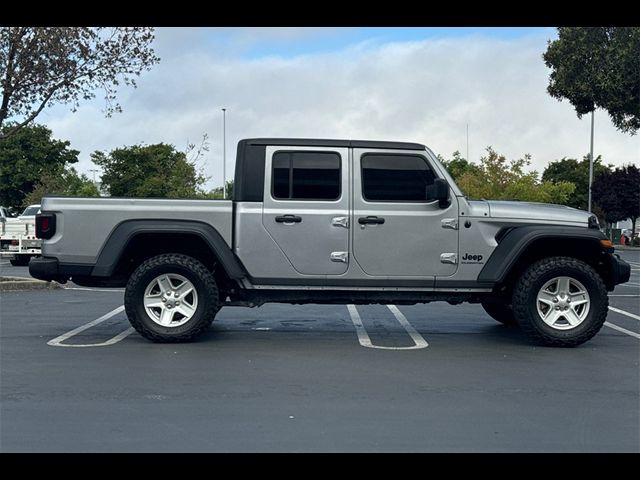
[(593, 222)]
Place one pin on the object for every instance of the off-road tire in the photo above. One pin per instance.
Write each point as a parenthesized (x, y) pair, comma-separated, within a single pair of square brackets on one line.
[(196, 273), (525, 301), (22, 261), (500, 312)]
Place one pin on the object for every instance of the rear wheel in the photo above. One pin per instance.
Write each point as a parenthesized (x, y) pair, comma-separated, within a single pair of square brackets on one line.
[(171, 298), (560, 301), (20, 261), (500, 312)]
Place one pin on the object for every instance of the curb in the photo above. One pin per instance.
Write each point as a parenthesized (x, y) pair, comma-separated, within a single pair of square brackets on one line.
[(8, 284)]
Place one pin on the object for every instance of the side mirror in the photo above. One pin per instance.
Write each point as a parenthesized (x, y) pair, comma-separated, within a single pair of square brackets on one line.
[(439, 190)]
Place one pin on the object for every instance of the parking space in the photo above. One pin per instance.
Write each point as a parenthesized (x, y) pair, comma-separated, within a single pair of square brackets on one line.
[(435, 377)]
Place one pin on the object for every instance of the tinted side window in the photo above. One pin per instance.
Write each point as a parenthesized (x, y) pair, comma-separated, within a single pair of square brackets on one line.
[(306, 175), (393, 177)]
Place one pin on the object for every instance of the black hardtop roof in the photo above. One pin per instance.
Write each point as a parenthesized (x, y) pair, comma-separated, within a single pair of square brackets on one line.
[(324, 142)]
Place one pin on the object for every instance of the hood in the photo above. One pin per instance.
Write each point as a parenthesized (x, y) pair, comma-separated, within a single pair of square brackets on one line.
[(537, 211)]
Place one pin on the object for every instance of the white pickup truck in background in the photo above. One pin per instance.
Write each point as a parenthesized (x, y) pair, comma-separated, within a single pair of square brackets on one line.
[(18, 240)]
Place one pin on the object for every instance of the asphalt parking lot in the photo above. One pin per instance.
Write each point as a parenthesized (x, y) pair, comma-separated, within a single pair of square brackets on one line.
[(75, 378)]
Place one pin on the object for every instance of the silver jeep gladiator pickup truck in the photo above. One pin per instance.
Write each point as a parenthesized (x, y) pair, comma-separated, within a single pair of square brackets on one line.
[(335, 221)]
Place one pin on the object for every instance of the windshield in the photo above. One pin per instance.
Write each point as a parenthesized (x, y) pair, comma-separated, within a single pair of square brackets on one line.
[(31, 210)]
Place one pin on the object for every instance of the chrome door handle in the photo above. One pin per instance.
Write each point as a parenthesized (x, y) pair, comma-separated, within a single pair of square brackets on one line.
[(371, 220), (288, 219)]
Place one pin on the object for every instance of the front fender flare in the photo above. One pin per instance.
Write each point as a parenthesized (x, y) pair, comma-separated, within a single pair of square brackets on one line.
[(515, 243)]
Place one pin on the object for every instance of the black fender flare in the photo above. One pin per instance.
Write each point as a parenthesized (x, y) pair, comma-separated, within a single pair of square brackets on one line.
[(515, 243), (126, 231)]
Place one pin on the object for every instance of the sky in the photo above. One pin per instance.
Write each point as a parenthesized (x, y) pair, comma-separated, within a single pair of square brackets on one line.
[(426, 85)]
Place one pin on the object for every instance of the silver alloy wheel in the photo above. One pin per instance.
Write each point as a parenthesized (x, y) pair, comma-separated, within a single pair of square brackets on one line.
[(563, 303), (170, 300)]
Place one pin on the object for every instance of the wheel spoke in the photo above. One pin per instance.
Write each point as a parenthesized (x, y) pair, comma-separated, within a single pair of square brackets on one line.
[(185, 289), (165, 283), (578, 298), (166, 316), (554, 317), (546, 297), (571, 317), (186, 310), (153, 301), (576, 303), (563, 285)]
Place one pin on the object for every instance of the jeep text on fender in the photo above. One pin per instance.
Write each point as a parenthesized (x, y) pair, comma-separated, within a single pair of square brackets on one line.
[(335, 221)]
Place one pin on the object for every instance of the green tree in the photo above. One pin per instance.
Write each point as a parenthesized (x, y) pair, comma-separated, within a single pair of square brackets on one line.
[(576, 172), (218, 193), (40, 67), (499, 179), (617, 194), (598, 67), (26, 157), (458, 165), (149, 171), (68, 183)]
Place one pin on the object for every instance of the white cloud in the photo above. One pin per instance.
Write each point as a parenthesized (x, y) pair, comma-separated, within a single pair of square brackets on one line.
[(415, 91)]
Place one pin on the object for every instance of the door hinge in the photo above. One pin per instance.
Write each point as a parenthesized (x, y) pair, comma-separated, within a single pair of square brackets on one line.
[(340, 222), (339, 257), (449, 258), (451, 223)]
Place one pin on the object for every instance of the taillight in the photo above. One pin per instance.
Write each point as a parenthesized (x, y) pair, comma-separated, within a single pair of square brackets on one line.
[(45, 225)]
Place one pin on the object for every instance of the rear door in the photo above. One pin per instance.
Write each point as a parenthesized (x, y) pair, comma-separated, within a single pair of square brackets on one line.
[(306, 207)]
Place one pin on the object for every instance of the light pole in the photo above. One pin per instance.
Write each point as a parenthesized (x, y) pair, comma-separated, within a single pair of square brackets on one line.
[(94, 170), (224, 153), (468, 143), (591, 160)]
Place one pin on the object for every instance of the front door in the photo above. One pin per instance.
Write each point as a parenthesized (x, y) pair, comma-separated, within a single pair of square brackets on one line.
[(396, 230), (306, 207)]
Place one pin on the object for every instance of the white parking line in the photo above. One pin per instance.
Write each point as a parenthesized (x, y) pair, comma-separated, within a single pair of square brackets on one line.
[(57, 342), (623, 330), (625, 295), (365, 340), (415, 336), (624, 312), (629, 285)]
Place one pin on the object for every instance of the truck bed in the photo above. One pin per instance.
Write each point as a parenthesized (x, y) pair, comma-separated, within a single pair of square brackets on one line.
[(85, 223)]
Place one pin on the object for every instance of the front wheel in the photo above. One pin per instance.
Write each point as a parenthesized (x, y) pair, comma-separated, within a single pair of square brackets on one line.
[(560, 301), (171, 298)]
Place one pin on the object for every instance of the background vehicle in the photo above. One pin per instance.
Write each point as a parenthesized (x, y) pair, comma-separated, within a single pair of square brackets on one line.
[(335, 221), (18, 241)]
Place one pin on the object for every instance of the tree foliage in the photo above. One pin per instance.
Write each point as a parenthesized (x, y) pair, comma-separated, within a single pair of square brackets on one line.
[(598, 67), (67, 183), (457, 166), (149, 171), (617, 193), (498, 179), (218, 193), (576, 172), (40, 67), (27, 157)]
